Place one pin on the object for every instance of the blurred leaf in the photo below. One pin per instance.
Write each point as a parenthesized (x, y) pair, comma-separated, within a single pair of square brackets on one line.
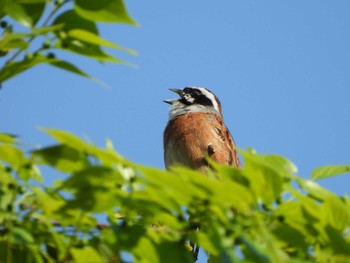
[(69, 67), (73, 69), (30, 1), (18, 13), (14, 68), (12, 41), (254, 251), (62, 157), (88, 50), (7, 138), (267, 172), (95, 189), (34, 10), (12, 155), (92, 38), (104, 11), (86, 254), (67, 139), (336, 212), (329, 171), (21, 236), (71, 20), (46, 29), (313, 189)]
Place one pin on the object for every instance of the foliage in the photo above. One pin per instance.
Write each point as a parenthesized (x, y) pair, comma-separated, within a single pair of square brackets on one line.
[(35, 31), (109, 209)]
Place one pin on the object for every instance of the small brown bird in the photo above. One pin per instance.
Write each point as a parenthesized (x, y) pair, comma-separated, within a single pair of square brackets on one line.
[(196, 130)]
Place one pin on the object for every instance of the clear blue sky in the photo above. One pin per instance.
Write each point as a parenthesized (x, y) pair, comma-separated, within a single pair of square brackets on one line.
[(280, 69)]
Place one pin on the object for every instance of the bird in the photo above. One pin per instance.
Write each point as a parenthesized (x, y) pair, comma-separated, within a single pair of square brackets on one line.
[(196, 130)]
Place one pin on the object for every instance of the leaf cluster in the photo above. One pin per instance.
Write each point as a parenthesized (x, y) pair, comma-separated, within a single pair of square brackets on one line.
[(109, 209), (35, 31)]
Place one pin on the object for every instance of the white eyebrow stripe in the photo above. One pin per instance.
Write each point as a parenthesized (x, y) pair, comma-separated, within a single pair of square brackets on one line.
[(209, 95)]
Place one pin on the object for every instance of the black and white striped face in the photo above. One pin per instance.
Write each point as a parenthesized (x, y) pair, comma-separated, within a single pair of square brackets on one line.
[(194, 99)]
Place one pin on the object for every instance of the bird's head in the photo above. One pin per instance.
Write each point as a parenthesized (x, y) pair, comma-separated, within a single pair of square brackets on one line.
[(194, 99)]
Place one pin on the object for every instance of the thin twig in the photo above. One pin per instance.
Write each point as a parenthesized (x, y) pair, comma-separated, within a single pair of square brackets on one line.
[(45, 23)]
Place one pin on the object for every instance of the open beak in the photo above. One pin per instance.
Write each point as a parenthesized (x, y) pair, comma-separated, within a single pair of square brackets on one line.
[(177, 91)]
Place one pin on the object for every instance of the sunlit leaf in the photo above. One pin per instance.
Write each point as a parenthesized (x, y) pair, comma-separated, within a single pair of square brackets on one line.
[(7, 138), (86, 254), (18, 12), (12, 155), (329, 171), (104, 11), (92, 38), (67, 139), (14, 68), (71, 20), (336, 212), (62, 157), (313, 189), (34, 10)]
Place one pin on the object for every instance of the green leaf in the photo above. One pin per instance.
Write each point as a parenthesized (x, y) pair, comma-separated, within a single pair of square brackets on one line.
[(336, 212), (34, 11), (329, 171), (20, 236), (12, 69), (267, 174), (11, 41), (46, 29), (104, 11), (69, 67), (313, 189), (75, 70), (62, 157), (8, 138), (12, 155), (92, 38), (67, 139), (71, 20), (18, 13), (85, 254)]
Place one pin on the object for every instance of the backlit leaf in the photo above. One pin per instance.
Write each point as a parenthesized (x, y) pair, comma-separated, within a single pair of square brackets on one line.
[(86, 254), (329, 171), (104, 11)]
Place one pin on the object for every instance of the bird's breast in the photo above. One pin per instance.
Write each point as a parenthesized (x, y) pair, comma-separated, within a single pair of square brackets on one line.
[(190, 138)]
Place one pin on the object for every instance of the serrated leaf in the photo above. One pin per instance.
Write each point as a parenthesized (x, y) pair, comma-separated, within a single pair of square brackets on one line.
[(104, 11), (329, 171)]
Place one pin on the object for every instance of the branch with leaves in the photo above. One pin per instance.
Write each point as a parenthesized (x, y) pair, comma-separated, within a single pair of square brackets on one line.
[(35, 31), (263, 212)]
